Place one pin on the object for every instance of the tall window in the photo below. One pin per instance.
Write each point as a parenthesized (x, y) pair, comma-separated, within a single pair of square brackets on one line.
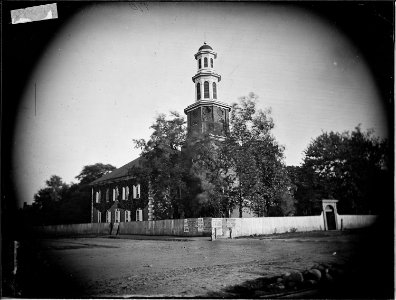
[(127, 193), (205, 62), (139, 215), (199, 63), (114, 194), (108, 216), (97, 197), (127, 216), (211, 62), (214, 90), (117, 216), (107, 195), (206, 89), (99, 217), (198, 91), (136, 191)]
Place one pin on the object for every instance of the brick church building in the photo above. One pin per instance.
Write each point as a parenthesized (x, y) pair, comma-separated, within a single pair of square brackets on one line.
[(117, 197)]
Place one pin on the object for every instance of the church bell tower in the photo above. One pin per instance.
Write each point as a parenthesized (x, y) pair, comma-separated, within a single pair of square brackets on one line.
[(207, 115)]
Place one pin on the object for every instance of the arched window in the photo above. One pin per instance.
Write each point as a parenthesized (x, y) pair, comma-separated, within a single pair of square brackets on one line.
[(198, 91), (206, 89), (199, 63), (205, 62), (214, 90), (211, 62)]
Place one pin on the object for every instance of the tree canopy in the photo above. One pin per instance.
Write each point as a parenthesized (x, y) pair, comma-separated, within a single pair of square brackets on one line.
[(350, 167), (162, 164), (261, 182), (92, 172), (61, 203)]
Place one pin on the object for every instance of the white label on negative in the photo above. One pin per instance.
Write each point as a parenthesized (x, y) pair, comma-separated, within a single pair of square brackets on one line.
[(34, 13)]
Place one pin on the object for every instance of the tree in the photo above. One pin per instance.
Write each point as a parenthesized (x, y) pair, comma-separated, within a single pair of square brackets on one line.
[(162, 165), (261, 182), (350, 167), (47, 200), (245, 169), (92, 172), (53, 191), (60, 203)]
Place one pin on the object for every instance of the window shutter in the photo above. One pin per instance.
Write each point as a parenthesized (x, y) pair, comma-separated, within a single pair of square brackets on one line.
[(198, 91), (214, 90)]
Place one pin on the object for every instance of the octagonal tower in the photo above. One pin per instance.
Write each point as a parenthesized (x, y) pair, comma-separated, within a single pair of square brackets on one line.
[(207, 115)]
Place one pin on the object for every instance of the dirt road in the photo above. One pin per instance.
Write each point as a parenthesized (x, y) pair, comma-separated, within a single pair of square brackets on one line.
[(100, 267)]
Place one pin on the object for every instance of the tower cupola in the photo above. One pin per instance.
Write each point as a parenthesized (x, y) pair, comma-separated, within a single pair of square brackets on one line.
[(206, 79), (207, 114)]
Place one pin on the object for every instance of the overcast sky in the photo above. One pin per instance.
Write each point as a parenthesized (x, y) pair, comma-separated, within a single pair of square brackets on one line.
[(114, 67)]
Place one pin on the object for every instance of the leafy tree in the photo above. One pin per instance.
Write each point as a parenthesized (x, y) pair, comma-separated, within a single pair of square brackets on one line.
[(92, 172), (350, 167), (210, 165), (261, 182), (163, 163), (306, 193), (53, 191), (47, 200), (60, 203)]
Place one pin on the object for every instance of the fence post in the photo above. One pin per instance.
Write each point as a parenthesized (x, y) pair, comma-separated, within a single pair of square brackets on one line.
[(213, 234)]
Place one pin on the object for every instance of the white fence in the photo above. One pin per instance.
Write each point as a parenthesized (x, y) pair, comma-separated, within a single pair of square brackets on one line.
[(270, 225), (205, 226), (355, 221)]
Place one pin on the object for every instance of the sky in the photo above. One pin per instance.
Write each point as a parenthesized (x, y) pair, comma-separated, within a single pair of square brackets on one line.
[(114, 67)]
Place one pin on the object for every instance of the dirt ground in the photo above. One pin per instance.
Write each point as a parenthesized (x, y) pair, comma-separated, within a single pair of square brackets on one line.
[(174, 267)]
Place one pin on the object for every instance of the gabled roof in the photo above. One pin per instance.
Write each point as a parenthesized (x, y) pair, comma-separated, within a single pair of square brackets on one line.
[(119, 173)]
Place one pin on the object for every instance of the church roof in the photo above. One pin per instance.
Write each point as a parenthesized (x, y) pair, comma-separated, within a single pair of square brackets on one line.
[(205, 46), (117, 174)]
